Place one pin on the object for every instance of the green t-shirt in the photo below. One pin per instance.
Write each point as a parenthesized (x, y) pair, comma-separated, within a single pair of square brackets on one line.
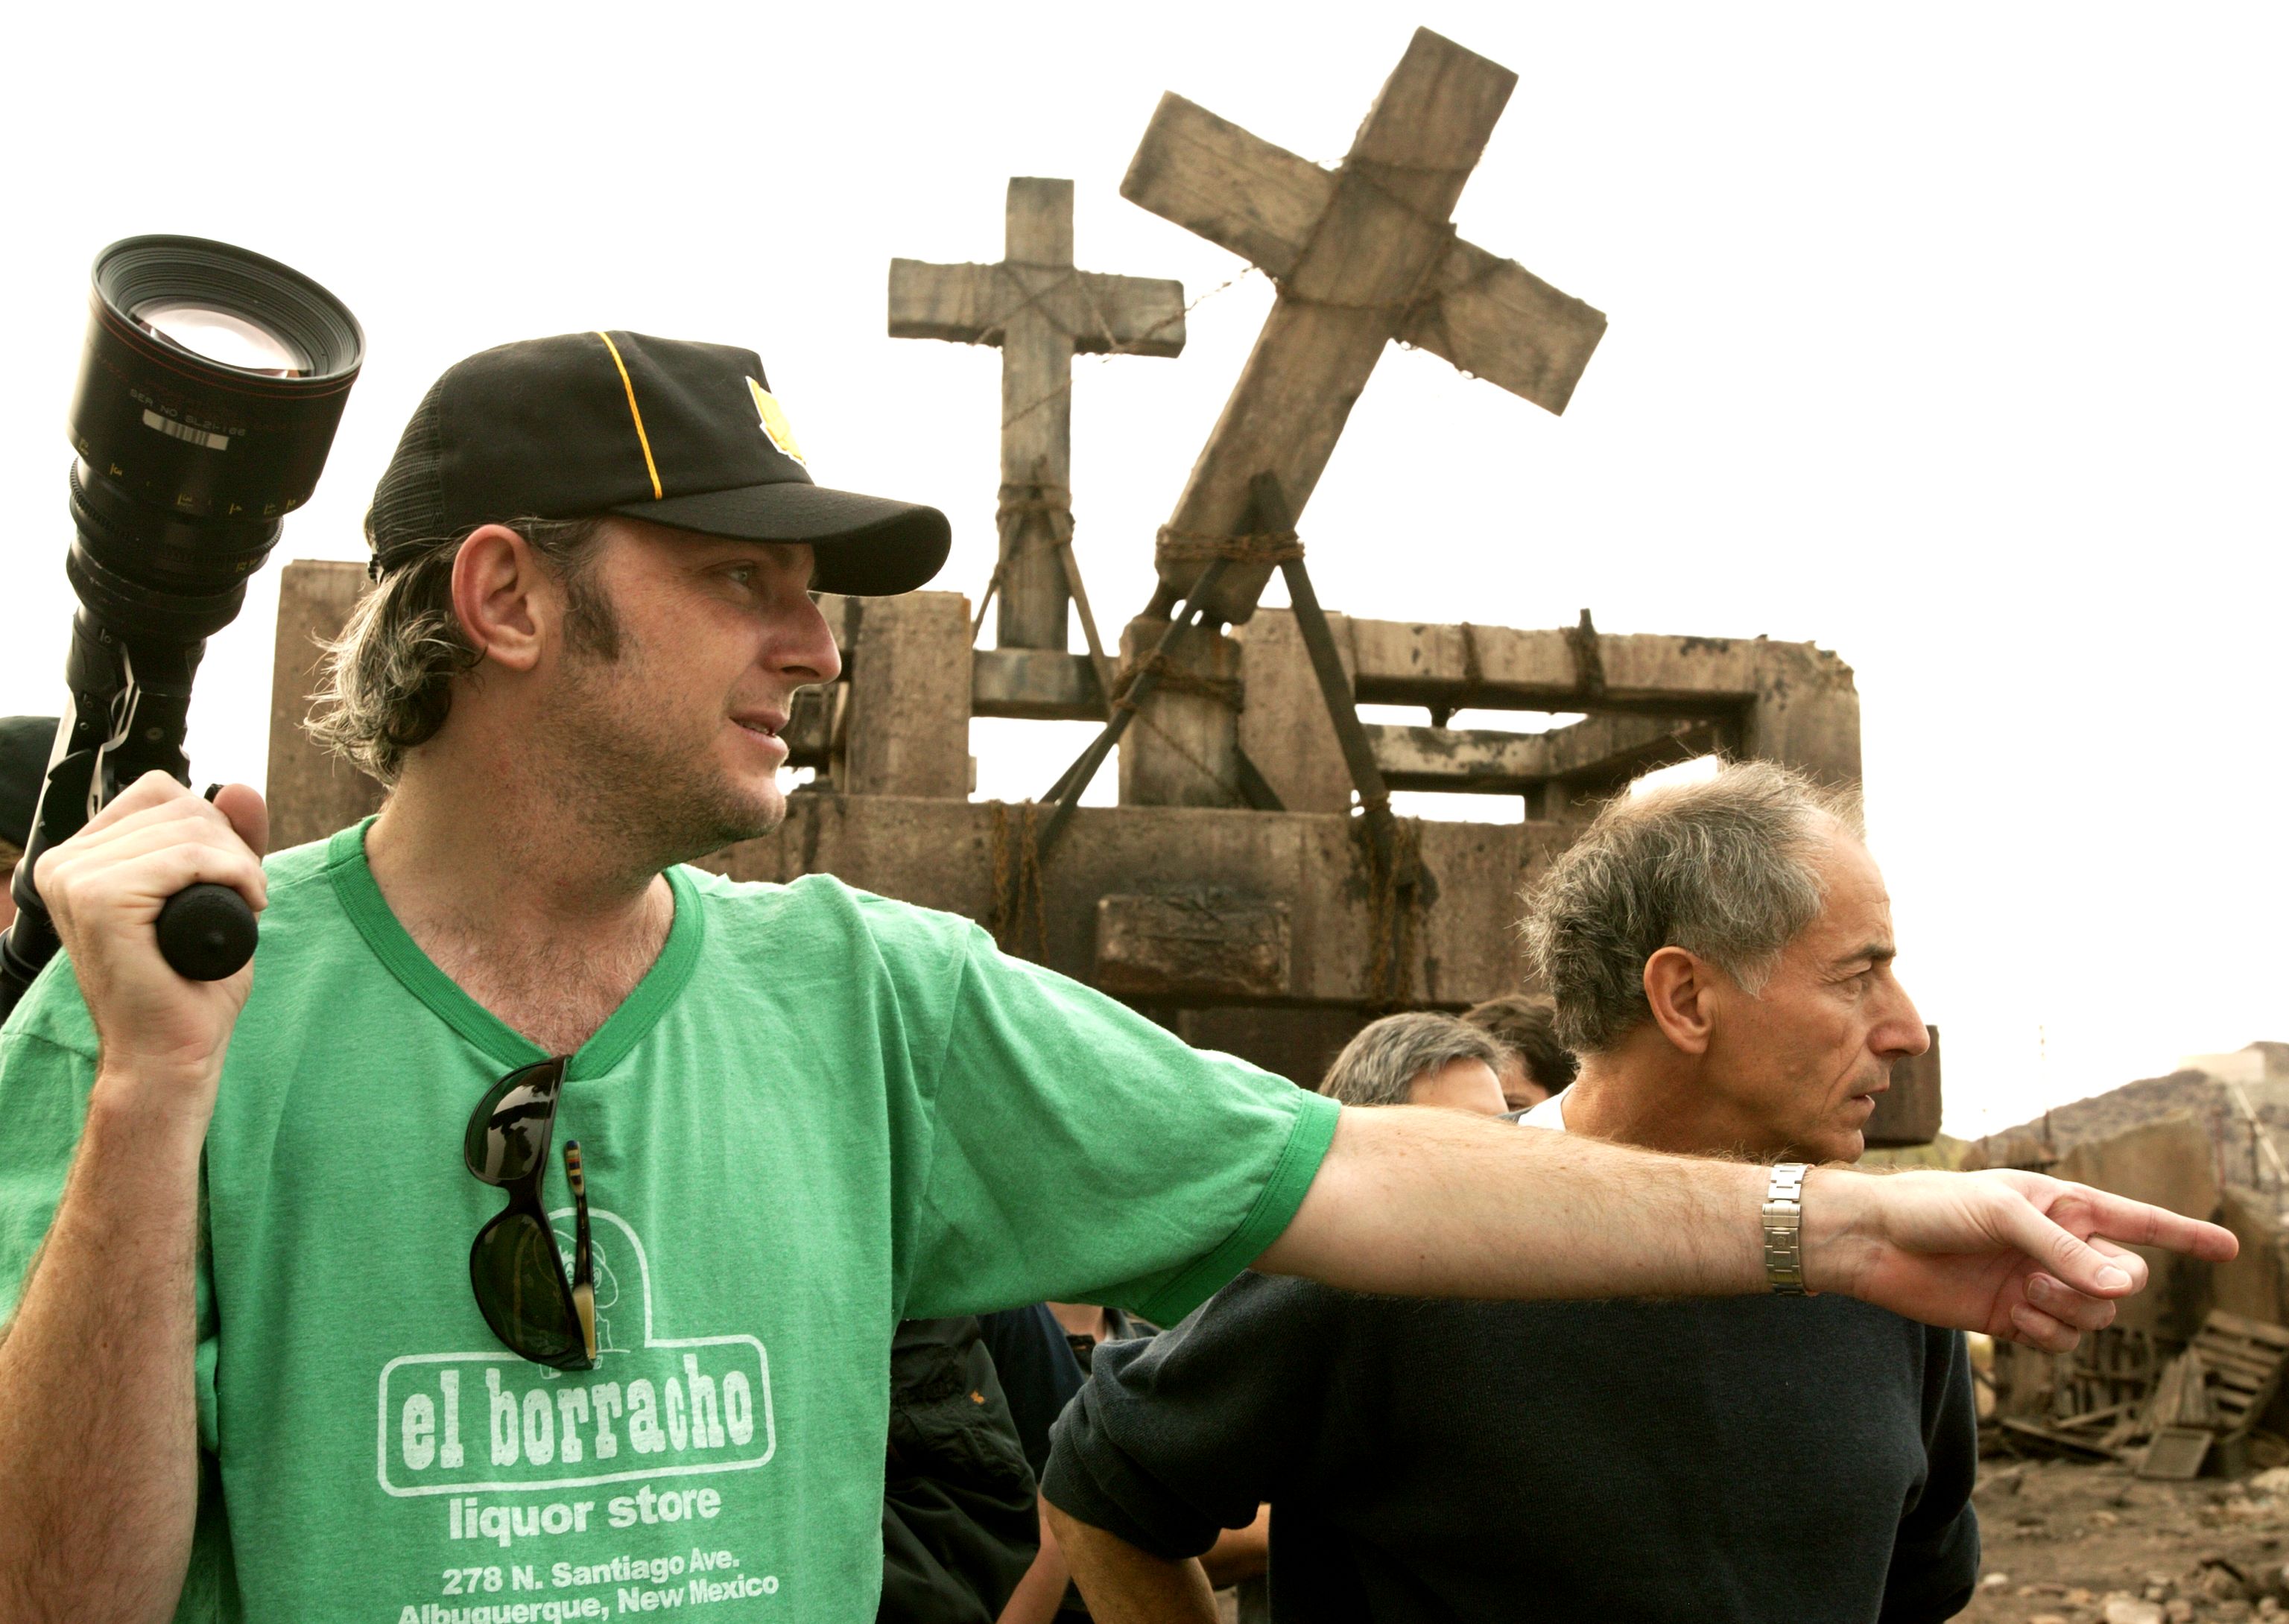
[(820, 1113)]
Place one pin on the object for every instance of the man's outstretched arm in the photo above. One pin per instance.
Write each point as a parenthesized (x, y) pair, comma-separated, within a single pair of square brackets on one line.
[(1123, 1584), (1430, 1203)]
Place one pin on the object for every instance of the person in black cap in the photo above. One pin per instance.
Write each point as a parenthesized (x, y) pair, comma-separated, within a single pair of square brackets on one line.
[(321, 1327), (25, 744)]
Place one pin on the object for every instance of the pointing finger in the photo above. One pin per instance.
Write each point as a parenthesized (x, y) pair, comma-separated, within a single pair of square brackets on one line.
[(2137, 1223)]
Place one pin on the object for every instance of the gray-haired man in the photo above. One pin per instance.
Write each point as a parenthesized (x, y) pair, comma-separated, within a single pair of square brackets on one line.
[(1721, 955), (1420, 1058)]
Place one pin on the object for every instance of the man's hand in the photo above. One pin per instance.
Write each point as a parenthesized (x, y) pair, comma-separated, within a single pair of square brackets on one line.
[(2022, 1257), (161, 1035), (1415, 1202)]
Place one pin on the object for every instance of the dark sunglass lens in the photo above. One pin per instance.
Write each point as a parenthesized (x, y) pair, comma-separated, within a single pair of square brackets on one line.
[(507, 1135), (519, 1279)]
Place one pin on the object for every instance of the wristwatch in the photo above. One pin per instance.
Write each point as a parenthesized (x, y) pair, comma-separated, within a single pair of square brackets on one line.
[(1783, 1212)]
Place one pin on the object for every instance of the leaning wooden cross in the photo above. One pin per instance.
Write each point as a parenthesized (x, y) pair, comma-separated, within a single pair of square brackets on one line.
[(1041, 312), (1361, 257)]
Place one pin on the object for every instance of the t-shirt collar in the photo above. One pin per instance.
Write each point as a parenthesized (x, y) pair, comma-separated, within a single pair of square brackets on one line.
[(362, 899)]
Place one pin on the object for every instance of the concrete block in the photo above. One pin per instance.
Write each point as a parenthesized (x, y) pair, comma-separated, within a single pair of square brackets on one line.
[(1192, 944), (907, 731)]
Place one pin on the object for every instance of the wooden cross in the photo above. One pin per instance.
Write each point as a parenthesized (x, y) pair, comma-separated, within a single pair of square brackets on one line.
[(1361, 257), (1042, 312)]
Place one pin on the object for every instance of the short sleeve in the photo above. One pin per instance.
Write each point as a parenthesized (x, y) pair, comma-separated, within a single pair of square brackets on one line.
[(1172, 1439), (1081, 1154)]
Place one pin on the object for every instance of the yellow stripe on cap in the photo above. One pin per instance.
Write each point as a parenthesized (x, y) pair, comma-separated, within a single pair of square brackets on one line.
[(642, 438)]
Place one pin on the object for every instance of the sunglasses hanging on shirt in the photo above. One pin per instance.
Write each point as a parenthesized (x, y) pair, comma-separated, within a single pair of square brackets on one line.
[(516, 1268)]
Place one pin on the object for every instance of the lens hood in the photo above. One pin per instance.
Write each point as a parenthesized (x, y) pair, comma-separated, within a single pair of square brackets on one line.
[(190, 432)]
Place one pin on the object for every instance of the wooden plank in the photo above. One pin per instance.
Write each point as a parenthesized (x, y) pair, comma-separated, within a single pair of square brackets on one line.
[(1238, 191), (1037, 353), (2255, 1330), (961, 304), (971, 304), (1792, 702), (1495, 319), (1601, 753), (1499, 668)]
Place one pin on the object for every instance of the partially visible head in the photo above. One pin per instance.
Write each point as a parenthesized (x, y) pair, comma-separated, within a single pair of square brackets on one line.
[(26, 743), (594, 555), (1537, 1065), (1418, 1059), (1732, 937)]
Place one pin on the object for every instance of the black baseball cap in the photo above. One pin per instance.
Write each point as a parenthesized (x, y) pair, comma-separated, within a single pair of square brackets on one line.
[(681, 433)]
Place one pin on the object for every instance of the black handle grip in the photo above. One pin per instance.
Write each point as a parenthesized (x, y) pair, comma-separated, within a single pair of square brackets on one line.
[(206, 932)]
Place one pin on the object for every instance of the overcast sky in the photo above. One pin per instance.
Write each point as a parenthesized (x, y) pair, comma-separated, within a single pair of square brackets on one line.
[(1949, 337)]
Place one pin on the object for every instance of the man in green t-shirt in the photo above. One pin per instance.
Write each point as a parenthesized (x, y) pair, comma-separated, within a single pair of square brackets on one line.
[(273, 1352)]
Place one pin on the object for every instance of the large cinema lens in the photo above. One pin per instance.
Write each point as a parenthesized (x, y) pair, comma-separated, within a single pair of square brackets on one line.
[(208, 397)]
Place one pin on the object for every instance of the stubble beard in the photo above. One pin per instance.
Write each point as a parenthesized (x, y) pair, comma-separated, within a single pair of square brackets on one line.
[(659, 793)]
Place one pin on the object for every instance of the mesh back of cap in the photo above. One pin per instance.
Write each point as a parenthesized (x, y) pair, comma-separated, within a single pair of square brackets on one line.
[(408, 505)]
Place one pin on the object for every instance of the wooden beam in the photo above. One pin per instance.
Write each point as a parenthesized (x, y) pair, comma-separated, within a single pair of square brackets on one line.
[(1604, 751), (1238, 190), (971, 304), (1505, 668)]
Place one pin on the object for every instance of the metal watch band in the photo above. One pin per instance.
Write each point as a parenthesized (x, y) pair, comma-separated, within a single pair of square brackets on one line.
[(1784, 1223)]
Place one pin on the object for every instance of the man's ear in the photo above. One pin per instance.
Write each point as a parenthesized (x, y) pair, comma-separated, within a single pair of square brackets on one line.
[(1682, 990), (502, 596)]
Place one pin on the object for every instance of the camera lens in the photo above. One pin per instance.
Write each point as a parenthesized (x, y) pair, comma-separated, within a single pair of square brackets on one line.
[(208, 392)]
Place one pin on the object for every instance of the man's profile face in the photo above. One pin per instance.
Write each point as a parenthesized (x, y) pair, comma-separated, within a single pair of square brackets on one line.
[(1800, 1065), (1459, 1085), (679, 724)]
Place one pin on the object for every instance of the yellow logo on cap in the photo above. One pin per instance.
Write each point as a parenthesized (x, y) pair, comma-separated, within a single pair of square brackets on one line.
[(775, 421)]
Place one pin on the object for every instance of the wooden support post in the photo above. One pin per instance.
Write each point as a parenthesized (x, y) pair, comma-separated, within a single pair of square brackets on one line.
[(908, 730), (1041, 312), (1076, 779), (312, 792), (1185, 750)]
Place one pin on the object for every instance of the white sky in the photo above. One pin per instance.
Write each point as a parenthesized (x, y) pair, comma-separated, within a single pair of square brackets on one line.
[(1947, 336)]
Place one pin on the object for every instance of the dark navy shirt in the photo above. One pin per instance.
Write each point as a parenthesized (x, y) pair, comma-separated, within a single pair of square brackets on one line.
[(1749, 1458)]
